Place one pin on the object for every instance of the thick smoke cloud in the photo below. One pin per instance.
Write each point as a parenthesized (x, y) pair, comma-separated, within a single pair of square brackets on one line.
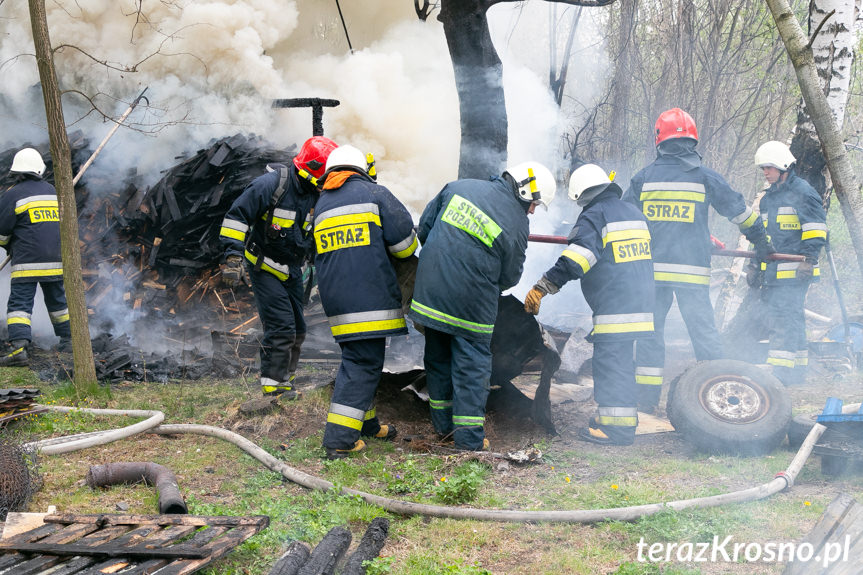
[(213, 67)]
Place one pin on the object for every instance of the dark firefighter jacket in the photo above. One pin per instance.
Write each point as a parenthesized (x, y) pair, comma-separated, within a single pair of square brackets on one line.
[(287, 242), (609, 250), (796, 223), (358, 226), (473, 235), (674, 196), (30, 231)]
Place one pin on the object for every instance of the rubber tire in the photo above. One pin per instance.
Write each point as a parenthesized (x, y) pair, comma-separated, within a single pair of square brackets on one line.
[(703, 424), (800, 427)]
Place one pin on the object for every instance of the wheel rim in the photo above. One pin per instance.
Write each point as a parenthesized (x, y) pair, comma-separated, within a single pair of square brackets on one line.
[(734, 399)]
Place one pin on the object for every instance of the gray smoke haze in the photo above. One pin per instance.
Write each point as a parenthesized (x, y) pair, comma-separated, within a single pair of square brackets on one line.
[(213, 67)]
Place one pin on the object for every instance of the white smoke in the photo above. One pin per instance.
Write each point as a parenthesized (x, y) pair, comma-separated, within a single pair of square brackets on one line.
[(212, 68)]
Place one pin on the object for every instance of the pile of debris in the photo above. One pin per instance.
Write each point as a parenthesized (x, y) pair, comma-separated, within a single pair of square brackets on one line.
[(150, 255), (159, 248)]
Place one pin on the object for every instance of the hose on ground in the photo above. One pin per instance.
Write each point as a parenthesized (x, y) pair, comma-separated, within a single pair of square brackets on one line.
[(57, 445), (782, 480)]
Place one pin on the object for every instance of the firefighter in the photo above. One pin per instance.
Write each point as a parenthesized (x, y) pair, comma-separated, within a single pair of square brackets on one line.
[(609, 251), (267, 231), (474, 236), (360, 227), (674, 193), (30, 232), (795, 220)]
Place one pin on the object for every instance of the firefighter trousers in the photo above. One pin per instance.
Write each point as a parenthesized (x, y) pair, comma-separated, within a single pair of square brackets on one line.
[(280, 308), (19, 308), (458, 371), (789, 350), (352, 411), (697, 312), (614, 388)]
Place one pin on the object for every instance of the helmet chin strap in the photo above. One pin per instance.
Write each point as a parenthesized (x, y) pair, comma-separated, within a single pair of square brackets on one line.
[(530, 181)]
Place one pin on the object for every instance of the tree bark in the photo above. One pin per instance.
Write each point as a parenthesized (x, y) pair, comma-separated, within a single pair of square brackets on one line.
[(85, 368), (479, 81), (831, 27), (832, 145)]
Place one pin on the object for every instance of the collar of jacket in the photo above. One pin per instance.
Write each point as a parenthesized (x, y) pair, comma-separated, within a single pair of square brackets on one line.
[(337, 179), (680, 151), (781, 186)]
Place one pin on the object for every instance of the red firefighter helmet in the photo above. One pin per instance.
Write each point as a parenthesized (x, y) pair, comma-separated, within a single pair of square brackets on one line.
[(312, 157), (675, 123)]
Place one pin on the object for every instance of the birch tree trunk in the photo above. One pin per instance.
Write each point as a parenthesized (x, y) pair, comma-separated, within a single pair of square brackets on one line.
[(829, 133), (85, 368), (833, 24)]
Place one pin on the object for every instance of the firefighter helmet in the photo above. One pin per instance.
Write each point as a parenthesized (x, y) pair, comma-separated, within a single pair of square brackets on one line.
[(774, 154), (675, 123), (589, 177), (312, 157), (347, 156), (28, 161), (535, 182)]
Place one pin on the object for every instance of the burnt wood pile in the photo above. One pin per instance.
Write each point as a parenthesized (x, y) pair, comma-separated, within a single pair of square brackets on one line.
[(158, 248), (150, 260)]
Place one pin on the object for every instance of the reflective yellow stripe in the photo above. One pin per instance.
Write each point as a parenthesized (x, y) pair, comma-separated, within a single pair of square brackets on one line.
[(625, 235), (60, 318), (37, 273), (344, 421), (266, 267), (407, 251), (348, 219), (39, 204), (234, 234), (617, 421), (811, 234), (684, 278), (371, 414), (623, 327), (672, 195), (364, 326), (18, 320), (283, 222), (577, 258), (780, 362), (648, 379), (272, 388), (748, 222)]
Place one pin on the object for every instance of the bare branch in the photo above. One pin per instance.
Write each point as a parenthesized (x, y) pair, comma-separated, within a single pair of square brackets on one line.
[(818, 29)]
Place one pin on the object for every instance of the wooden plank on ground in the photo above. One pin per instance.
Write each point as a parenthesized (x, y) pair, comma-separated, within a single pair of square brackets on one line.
[(842, 516)]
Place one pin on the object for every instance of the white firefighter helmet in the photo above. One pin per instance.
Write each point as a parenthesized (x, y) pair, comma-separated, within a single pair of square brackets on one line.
[(775, 154), (28, 161), (535, 182), (347, 156), (589, 177)]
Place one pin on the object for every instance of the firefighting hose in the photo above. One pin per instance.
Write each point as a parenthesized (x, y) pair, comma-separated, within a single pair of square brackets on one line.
[(153, 424)]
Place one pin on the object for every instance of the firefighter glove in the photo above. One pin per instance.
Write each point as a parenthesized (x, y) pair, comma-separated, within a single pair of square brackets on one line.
[(763, 249), (232, 273), (533, 299), (805, 270), (754, 276)]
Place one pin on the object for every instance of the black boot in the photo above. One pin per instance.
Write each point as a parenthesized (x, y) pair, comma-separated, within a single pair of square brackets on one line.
[(17, 356), (65, 345)]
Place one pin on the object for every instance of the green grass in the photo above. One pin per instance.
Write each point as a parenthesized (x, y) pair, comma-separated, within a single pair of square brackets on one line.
[(216, 478)]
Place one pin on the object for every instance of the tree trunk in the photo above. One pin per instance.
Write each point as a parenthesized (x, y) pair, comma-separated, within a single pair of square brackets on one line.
[(85, 369), (479, 81), (832, 144), (833, 53)]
